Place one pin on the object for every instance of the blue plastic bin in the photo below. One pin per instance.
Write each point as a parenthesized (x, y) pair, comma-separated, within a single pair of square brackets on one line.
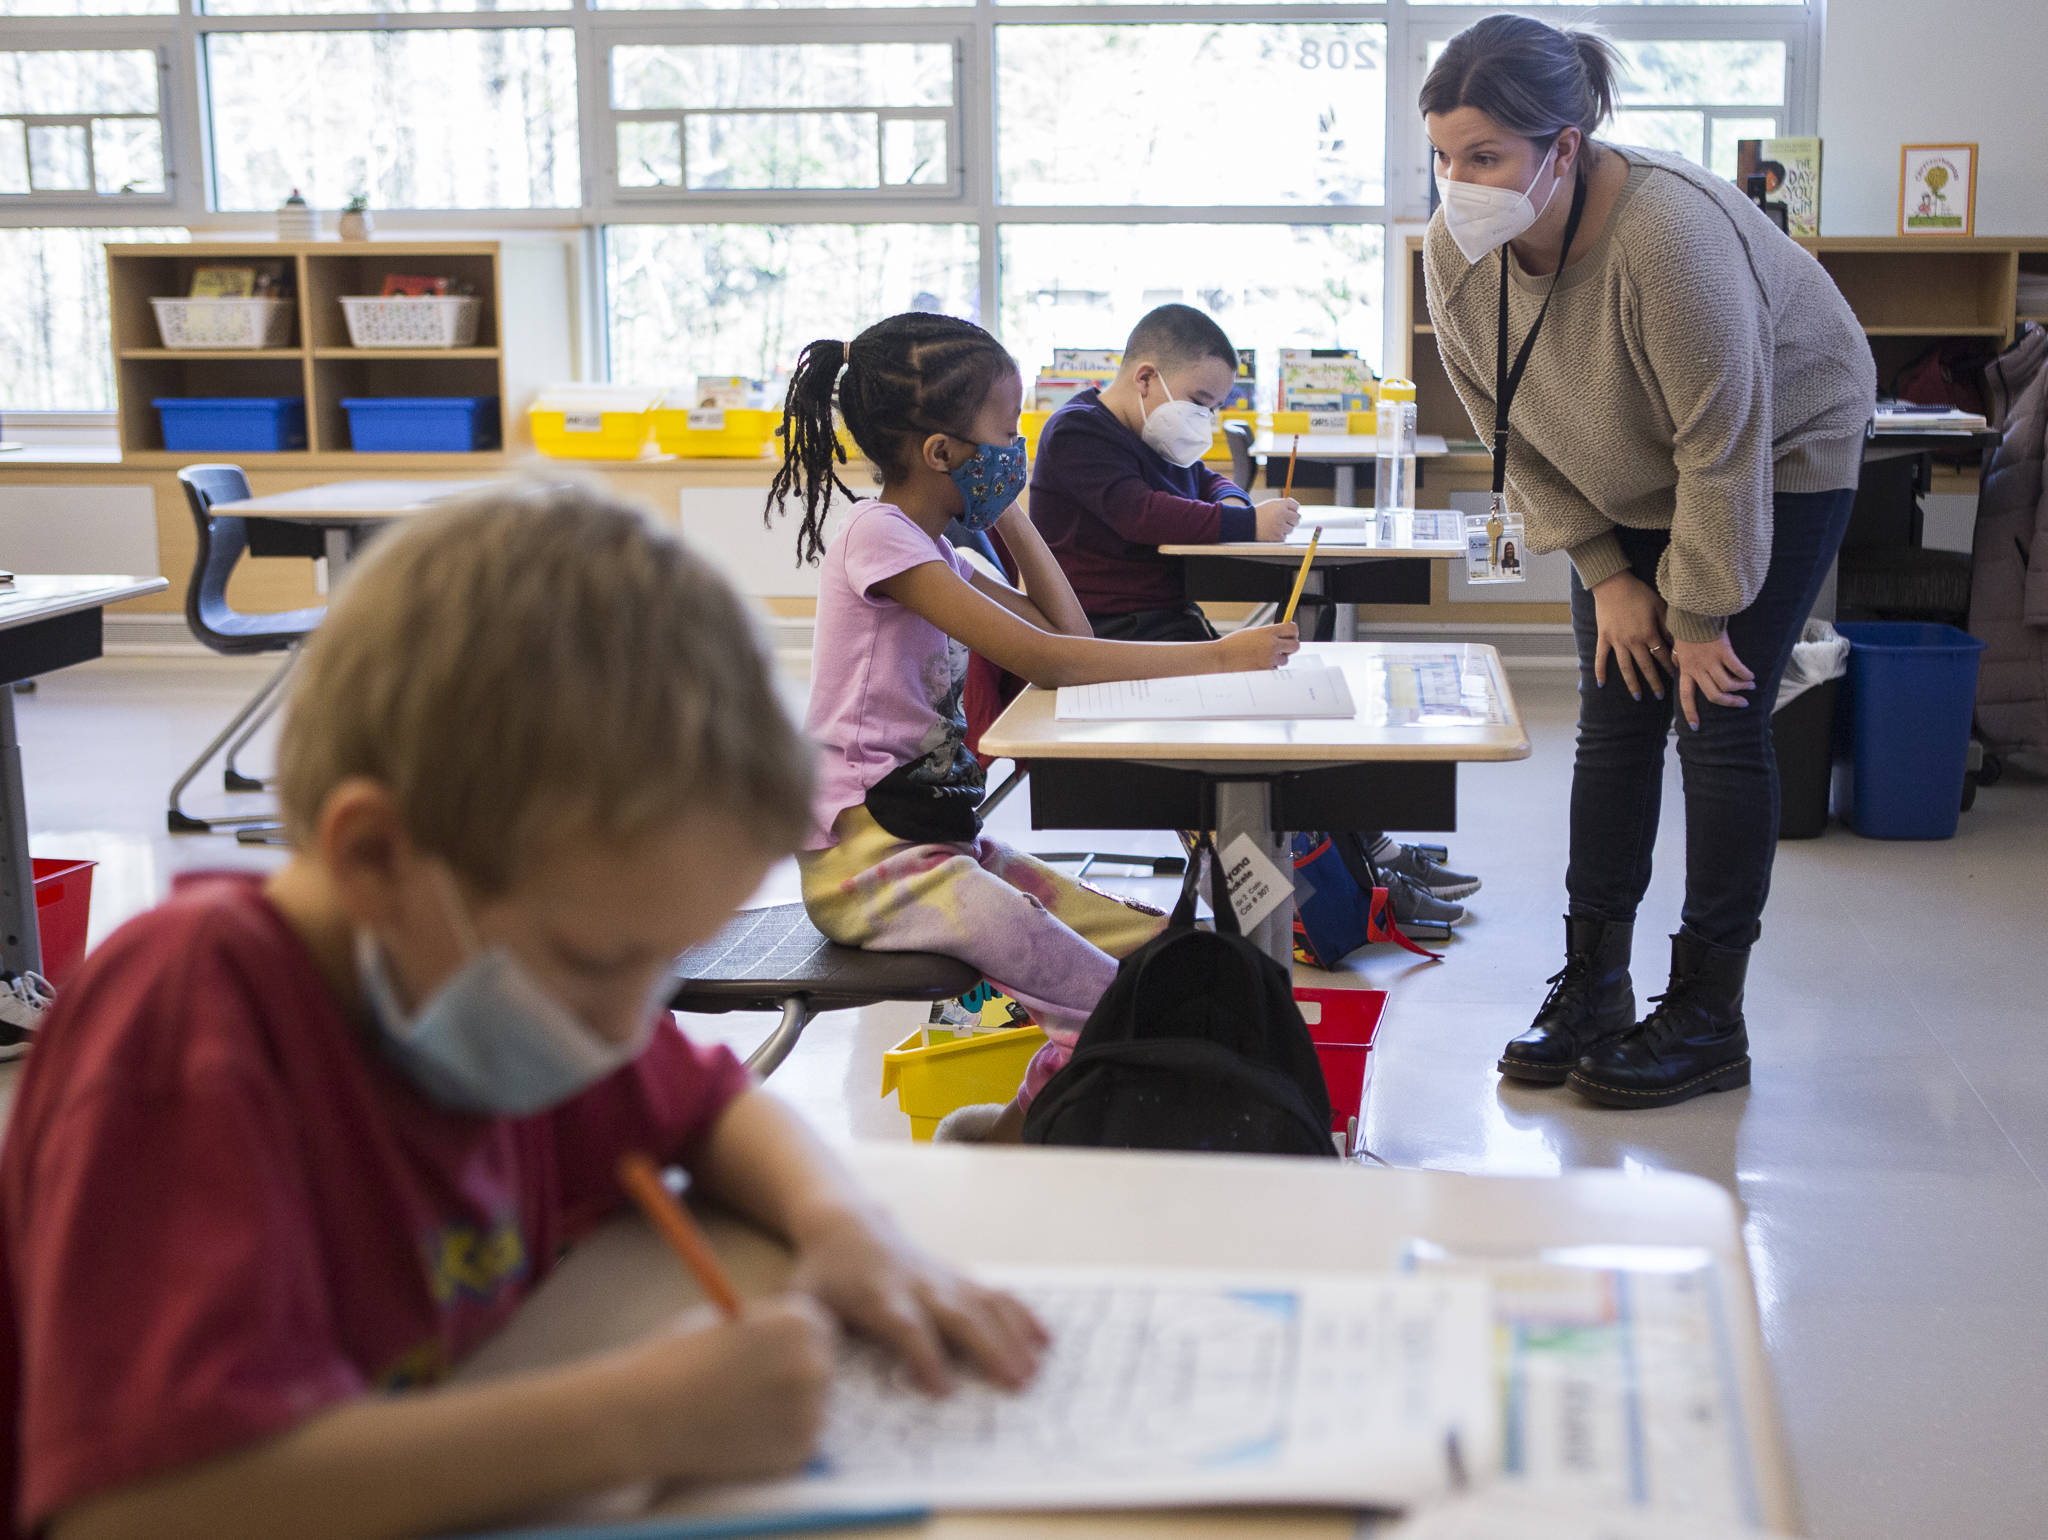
[(421, 424), (220, 424), (1905, 742)]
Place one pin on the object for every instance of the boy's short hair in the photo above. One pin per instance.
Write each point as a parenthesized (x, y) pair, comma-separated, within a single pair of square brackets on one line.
[(1175, 335), (537, 662)]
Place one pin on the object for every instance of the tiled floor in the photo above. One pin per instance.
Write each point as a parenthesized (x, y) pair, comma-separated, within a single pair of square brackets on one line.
[(1891, 1155)]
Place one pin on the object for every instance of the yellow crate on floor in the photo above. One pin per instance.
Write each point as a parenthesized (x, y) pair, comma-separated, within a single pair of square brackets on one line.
[(581, 422), (956, 1071), (715, 432)]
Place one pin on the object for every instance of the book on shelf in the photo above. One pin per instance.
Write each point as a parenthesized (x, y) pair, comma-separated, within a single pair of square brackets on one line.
[(1786, 172), (1911, 417), (1324, 379)]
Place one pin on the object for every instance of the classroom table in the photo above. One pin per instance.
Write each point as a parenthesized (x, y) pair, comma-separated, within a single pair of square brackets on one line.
[(980, 1206), (1342, 452), (46, 623), (1421, 708), (1352, 566), (346, 512)]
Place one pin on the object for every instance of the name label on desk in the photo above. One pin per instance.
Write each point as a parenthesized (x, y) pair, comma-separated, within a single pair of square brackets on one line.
[(1257, 884), (1329, 422), (707, 419), (583, 422)]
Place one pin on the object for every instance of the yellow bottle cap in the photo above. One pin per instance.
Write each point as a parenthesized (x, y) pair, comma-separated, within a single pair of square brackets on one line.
[(1397, 390)]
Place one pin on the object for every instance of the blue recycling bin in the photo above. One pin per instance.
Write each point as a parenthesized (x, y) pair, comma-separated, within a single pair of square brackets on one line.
[(1905, 729)]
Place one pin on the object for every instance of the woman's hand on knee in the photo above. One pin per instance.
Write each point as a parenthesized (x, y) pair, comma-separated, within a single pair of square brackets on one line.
[(1710, 669), (1630, 615)]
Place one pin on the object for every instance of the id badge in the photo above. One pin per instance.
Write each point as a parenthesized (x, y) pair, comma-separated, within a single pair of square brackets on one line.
[(1494, 545)]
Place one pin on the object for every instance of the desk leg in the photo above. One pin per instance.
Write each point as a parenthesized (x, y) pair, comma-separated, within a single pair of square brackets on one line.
[(20, 948), (340, 541), (1345, 493), (1246, 807)]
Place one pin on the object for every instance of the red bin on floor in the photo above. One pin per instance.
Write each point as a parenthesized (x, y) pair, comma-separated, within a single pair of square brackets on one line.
[(63, 905), (1342, 1022)]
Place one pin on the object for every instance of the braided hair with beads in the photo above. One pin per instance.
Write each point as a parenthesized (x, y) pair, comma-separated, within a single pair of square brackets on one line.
[(903, 379)]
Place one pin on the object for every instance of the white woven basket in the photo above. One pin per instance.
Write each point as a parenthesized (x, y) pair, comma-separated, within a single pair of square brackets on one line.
[(408, 321), (225, 323)]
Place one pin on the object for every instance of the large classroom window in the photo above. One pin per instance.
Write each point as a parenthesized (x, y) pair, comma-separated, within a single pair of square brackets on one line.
[(752, 173)]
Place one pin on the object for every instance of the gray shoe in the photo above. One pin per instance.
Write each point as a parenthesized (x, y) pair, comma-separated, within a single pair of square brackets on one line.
[(1425, 872), (23, 1000), (1415, 907)]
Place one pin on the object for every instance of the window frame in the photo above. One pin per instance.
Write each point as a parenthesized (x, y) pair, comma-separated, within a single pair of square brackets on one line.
[(73, 34), (970, 197)]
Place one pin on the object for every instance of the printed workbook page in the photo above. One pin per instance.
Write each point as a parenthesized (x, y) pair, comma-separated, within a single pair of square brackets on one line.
[(1298, 692), (1178, 1388)]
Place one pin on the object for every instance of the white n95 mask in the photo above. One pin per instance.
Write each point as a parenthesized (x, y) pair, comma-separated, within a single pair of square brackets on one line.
[(1181, 431), (491, 1040), (1482, 218)]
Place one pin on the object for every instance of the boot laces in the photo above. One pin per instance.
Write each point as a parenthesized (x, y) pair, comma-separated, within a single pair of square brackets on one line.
[(1571, 981)]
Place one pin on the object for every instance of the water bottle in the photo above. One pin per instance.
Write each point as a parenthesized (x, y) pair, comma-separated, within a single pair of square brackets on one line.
[(1393, 485)]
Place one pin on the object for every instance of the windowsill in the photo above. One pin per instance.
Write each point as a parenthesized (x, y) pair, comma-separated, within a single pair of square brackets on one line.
[(70, 428)]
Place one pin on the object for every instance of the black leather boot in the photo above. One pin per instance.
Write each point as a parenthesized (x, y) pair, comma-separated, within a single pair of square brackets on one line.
[(1591, 1002), (1694, 1041)]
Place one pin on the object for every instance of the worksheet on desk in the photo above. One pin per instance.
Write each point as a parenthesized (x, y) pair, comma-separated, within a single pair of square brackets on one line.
[(1172, 1387), (1298, 692)]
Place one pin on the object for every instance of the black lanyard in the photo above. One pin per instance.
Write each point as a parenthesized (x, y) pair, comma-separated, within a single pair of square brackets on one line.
[(1507, 381)]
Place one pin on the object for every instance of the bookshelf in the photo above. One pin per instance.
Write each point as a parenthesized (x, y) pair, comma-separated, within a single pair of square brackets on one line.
[(1910, 292), (320, 364)]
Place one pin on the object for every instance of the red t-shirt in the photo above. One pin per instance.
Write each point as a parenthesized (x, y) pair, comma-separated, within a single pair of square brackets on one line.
[(224, 1211)]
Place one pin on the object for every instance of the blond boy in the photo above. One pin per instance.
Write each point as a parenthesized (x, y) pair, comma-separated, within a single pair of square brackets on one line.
[(288, 1149)]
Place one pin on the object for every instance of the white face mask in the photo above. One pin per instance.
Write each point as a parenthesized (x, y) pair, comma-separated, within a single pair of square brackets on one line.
[(1181, 431), (1482, 218), (491, 1040)]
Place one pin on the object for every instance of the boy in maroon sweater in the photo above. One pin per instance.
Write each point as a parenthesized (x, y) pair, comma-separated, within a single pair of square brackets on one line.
[(1119, 473)]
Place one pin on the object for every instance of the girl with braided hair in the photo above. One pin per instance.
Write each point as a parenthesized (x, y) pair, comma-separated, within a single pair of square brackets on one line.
[(896, 860)]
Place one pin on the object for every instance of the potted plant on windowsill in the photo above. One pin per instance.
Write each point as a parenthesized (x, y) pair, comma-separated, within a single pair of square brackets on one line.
[(355, 219)]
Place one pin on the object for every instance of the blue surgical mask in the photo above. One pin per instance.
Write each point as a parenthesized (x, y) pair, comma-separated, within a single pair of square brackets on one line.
[(990, 482), (491, 1040)]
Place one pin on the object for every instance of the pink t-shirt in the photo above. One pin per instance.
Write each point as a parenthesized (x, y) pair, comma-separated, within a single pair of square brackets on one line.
[(885, 682)]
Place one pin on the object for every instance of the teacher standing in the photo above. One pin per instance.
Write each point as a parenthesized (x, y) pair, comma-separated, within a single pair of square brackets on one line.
[(1686, 422)]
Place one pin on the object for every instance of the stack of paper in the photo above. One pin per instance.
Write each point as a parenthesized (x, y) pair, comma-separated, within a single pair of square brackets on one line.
[(1906, 418)]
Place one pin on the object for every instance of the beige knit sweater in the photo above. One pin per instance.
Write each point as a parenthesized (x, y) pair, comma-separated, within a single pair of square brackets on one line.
[(1693, 362)]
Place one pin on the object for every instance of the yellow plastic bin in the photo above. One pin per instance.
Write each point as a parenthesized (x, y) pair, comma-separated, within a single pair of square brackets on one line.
[(715, 432), (1031, 424), (956, 1071), (1289, 423), (593, 422)]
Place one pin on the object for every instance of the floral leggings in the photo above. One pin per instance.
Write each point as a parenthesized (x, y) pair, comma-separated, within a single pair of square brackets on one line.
[(1049, 941)]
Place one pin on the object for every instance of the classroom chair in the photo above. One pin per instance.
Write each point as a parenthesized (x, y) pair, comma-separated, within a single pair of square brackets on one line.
[(775, 959), (983, 545), (1240, 437), (222, 541)]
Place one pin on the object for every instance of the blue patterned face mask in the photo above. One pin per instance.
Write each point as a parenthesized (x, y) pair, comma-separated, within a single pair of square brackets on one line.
[(990, 482)]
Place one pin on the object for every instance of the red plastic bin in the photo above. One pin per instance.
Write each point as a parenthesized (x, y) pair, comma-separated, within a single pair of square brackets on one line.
[(63, 905), (1343, 1023)]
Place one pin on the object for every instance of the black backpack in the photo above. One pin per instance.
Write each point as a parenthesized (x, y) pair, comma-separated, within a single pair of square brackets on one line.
[(1196, 1045)]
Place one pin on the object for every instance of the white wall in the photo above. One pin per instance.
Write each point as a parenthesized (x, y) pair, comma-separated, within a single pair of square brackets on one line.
[(1899, 72)]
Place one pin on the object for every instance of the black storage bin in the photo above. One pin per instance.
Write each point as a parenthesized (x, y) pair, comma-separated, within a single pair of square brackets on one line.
[(1804, 734)]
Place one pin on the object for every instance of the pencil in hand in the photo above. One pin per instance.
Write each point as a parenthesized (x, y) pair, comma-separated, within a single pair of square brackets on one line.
[(641, 1179), (1288, 490), (1301, 578)]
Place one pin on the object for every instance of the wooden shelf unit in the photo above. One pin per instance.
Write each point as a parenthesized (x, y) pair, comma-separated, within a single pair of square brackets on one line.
[(320, 365), (1910, 292)]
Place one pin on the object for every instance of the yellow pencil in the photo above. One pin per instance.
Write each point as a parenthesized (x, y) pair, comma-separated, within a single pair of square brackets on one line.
[(1301, 578), (641, 1178), (1295, 449)]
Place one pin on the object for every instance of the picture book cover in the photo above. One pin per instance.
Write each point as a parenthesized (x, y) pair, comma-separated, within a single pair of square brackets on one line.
[(1790, 169)]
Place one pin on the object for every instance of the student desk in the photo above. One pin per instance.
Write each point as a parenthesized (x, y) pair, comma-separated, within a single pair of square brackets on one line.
[(46, 623), (993, 1207), (1394, 764), (1343, 452), (1352, 567), (345, 511)]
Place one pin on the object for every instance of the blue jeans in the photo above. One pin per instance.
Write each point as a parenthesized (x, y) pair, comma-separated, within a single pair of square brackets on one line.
[(1729, 769)]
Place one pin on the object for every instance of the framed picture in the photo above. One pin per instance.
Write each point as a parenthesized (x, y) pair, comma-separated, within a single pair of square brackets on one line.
[(1938, 189)]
